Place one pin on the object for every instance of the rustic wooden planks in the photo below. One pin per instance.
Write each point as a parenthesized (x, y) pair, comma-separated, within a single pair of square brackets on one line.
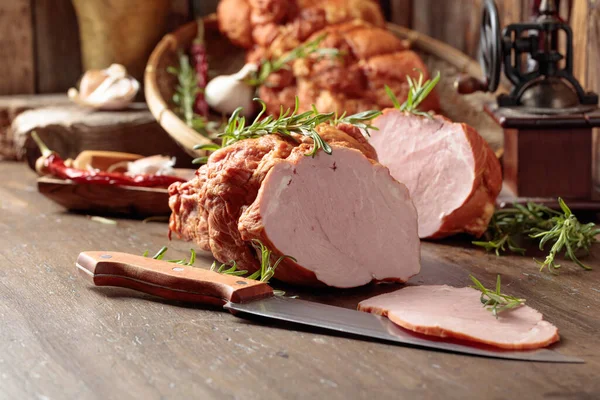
[(40, 37), (402, 12), (57, 51), (16, 48), (458, 22), (61, 338), (585, 16)]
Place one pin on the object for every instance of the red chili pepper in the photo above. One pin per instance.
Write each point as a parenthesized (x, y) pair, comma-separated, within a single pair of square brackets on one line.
[(52, 164), (200, 63)]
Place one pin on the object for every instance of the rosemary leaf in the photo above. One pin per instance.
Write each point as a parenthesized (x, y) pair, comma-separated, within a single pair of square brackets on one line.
[(161, 254), (287, 123), (360, 120), (268, 67), (185, 94), (561, 230), (417, 92), (495, 301)]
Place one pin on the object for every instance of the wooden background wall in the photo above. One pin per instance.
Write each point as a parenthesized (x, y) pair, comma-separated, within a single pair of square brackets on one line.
[(39, 44)]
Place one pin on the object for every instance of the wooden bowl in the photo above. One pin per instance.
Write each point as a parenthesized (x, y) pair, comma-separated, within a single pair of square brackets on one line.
[(225, 58)]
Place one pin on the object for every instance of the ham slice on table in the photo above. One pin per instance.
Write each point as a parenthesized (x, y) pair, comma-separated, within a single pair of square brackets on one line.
[(452, 174), (342, 216), (451, 312)]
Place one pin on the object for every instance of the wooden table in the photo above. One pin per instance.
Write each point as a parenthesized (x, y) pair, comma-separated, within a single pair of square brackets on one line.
[(62, 339)]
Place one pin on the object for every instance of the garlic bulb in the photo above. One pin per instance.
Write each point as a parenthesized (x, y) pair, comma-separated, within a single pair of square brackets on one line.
[(107, 89), (225, 93)]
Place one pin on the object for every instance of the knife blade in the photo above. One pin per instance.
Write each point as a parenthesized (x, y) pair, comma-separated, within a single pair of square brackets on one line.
[(248, 297)]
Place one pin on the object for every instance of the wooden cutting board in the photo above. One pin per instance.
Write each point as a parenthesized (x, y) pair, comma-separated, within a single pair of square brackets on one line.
[(137, 202)]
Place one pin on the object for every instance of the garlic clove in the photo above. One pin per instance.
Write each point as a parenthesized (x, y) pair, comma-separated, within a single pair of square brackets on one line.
[(155, 165), (226, 93)]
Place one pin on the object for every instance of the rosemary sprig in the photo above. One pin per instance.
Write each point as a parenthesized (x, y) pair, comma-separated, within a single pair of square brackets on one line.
[(268, 67), (264, 274), (495, 301), (230, 268), (185, 94), (566, 232), (163, 250), (535, 221), (361, 120), (417, 92), (267, 270), (285, 124)]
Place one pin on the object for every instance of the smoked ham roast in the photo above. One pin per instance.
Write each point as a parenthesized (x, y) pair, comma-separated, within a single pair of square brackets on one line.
[(370, 55), (451, 312), (260, 25), (452, 174), (370, 58), (342, 216)]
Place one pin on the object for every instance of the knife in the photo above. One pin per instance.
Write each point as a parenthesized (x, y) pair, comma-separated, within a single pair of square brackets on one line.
[(248, 297)]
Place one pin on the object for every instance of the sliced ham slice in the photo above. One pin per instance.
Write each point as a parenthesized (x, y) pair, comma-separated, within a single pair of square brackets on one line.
[(342, 216), (446, 311), (451, 172)]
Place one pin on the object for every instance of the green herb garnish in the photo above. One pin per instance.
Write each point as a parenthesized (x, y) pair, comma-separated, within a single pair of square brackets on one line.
[(161, 254), (268, 67), (185, 94), (535, 221), (264, 274), (230, 268), (495, 301), (285, 124), (417, 92), (361, 120)]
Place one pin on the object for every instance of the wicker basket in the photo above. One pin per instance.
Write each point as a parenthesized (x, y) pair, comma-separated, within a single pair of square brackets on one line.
[(225, 58)]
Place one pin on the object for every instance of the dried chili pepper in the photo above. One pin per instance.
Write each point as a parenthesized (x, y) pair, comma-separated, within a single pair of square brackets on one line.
[(200, 63), (50, 163)]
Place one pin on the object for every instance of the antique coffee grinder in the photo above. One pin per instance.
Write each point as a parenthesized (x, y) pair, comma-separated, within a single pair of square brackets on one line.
[(547, 116)]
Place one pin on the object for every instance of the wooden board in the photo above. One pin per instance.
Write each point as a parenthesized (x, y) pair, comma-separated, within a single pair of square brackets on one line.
[(106, 199), (16, 48), (61, 338), (71, 129), (10, 107)]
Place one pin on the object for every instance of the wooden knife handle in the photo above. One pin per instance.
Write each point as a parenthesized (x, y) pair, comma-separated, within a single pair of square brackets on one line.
[(168, 280)]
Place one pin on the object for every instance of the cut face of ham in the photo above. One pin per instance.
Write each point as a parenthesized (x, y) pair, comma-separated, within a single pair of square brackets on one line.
[(343, 217), (446, 311), (451, 173)]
